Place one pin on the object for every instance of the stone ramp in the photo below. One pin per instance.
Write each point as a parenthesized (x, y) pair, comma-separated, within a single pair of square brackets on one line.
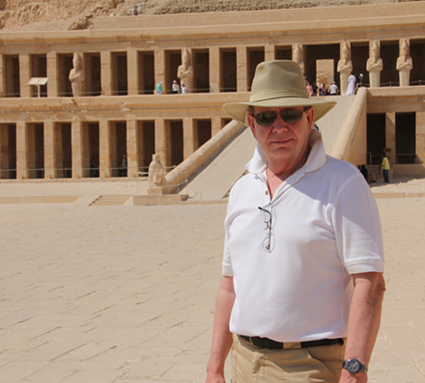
[(332, 123), (213, 181), (216, 178)]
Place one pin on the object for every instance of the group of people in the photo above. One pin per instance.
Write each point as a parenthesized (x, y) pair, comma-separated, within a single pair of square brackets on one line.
[(175, 88), (385, 167), (333, 90), (314, 90)]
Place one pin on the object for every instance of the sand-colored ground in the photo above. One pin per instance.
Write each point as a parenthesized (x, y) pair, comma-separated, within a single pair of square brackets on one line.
[(120, 294)]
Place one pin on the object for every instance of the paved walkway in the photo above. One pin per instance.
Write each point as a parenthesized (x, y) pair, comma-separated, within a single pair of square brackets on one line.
[(126, 293)]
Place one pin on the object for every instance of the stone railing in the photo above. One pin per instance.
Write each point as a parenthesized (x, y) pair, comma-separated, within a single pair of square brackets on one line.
[(346, 147), (179, 175)]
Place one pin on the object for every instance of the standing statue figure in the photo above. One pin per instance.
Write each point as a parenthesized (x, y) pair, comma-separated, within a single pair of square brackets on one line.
[(76, 76), (156, 175), (404, 63), (297, 55), (374, 65), (185, 71), (345, 67)]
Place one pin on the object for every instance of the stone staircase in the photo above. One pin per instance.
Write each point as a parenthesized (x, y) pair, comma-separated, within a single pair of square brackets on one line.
[(110, 200)]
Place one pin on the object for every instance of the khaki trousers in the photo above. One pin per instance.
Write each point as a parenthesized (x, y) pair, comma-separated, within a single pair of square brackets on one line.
[(251, 364)]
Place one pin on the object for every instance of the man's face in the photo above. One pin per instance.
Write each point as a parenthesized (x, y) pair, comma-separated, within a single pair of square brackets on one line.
[(285, 145)]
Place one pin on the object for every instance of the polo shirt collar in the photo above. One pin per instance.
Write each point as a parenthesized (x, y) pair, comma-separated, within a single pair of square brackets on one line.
[(316, 159)]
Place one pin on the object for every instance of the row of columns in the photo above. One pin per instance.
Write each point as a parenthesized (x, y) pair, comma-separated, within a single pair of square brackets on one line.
[(52, 143), (52, 69), (374, 66)]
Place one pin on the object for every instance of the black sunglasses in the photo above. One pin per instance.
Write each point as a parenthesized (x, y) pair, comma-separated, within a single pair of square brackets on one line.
[(289, 116)]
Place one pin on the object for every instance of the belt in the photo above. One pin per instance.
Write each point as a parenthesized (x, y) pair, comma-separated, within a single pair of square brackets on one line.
[(272, 344)]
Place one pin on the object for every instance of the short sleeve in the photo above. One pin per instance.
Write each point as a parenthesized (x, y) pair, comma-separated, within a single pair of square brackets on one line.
[(357, 226)]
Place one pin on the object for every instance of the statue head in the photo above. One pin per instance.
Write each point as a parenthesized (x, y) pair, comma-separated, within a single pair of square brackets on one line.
[(404, 48), (297, 52), (76, 60), (375, 49), (345, 51), (186, 56)]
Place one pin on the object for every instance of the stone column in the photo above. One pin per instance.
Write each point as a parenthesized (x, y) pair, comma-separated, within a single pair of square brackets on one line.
[(132, 149), (2, 77), (52, 74), (189, 137), (269, 52), (390, 137), (58, 151), (159, 62), (4, 155), (21, 150), (133, 72), (161, 140), (49, 150), (374, 64), (241, 68), (420, 136), (24, 74), (106, 73), (215, 70), (104, 149), (77, 149), (345, 66), (298, 55), (215, 125), (404, 63)]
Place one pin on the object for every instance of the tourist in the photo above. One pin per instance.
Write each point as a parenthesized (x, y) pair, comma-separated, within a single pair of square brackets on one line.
[(175, 87), (333, 89), (303, 248), (385, 166), (351, 85)]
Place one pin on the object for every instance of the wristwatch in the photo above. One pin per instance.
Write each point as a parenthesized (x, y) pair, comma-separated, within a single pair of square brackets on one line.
[(353, 366)]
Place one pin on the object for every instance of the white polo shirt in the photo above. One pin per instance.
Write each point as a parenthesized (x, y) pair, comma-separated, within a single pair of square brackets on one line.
[(326, 226)]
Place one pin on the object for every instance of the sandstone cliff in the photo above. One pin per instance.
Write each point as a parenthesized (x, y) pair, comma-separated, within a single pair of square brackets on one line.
[(71, 14)]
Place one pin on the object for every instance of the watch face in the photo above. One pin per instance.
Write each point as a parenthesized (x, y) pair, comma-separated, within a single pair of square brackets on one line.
[(353, 365)]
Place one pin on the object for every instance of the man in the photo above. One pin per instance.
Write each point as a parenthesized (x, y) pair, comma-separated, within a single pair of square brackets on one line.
[(385, 166), (333, 89), (302, 284)]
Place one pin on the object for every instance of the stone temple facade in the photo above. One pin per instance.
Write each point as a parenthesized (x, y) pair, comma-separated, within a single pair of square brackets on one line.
[(100, 103)]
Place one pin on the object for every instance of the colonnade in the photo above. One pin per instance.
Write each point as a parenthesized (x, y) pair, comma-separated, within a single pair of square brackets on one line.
[(213, 69), (79, 149)]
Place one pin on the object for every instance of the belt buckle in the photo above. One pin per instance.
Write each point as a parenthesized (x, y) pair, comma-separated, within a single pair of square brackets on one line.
[(291, 345)]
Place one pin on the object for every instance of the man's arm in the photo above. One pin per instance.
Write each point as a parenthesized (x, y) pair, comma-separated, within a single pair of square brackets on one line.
[(364, 321), (222, 337)]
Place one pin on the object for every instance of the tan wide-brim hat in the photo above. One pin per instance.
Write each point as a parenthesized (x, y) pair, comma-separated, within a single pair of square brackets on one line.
[(280, 84)]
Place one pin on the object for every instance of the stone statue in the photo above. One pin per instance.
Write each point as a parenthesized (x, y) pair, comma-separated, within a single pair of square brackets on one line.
[(404, 63), (374, 65), (345, 67), (76, 76), (185, 71), (297, 55), (156, 175)]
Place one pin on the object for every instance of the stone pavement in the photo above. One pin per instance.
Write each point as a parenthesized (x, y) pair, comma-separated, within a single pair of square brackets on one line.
[(126, 293)]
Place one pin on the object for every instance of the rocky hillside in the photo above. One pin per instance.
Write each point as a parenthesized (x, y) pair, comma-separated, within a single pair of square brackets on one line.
[(78, 14)]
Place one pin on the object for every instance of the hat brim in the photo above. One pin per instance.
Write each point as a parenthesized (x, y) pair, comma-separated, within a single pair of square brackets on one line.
[(238, 110)]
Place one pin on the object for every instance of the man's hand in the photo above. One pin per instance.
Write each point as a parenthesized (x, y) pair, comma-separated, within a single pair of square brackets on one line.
[(346, 377), (215, 378)]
